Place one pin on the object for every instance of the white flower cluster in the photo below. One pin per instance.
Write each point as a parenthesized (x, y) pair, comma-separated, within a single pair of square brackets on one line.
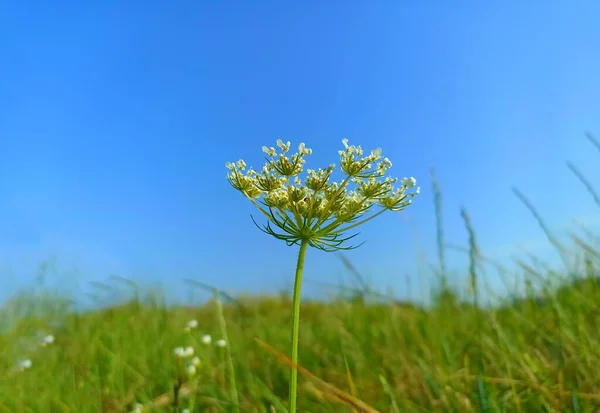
[(192, 324), (47, 340), (187, 354), (206, 338), (183, 352), (24, 364), (281, 187), (313, 209)]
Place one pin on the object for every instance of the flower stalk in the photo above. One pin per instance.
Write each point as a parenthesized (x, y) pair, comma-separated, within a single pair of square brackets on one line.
[(296, 324)]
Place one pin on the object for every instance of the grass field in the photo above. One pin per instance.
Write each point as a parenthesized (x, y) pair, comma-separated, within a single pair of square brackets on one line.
[(537, 353), (532, 355)]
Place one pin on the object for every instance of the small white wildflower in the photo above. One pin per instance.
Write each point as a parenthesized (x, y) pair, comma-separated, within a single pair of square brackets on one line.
[(138, 408), (192, 324), (185, 411), (195, 361), (182, 352), (190, 369), (49, 339), (221, 343), (206, 339), (24, 364)]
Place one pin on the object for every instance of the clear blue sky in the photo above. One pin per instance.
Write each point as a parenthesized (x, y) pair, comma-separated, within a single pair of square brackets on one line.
[(117, 119)]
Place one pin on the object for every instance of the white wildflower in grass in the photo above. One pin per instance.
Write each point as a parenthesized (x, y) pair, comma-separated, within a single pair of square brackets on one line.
[(49, 339), (190, 369), (178, 352), (221, 343), (183, 352), (313, 211), (195, 361), (185, 411), (189, 352), (192, 324), (24, 364), (138, 408), (206, 339)]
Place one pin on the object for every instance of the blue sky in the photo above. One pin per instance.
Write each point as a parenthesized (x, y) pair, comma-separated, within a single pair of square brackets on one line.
[(118, 117)]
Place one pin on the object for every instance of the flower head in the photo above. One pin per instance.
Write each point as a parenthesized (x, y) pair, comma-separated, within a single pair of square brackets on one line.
[(206, 339), (183, 352), (49, 339), (190, 369), (24, 364), (314, 209), (221, 343), (190, 325)]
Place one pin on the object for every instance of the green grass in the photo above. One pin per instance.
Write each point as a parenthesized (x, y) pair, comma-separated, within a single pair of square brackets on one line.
[(528, 356)]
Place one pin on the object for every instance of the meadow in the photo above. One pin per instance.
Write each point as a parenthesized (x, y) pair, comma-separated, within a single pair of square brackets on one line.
[(364, 352)]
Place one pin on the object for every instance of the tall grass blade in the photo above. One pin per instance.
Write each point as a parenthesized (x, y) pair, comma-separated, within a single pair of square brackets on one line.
[(482, 396), (230, 368), (551, 238), (341, 395), (590, 188), (437, 200)]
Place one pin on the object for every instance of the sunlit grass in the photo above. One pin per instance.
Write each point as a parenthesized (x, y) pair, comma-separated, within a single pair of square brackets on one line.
[(537, 354)]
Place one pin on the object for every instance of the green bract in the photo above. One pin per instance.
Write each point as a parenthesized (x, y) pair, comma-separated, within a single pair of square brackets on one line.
[(314, 209)]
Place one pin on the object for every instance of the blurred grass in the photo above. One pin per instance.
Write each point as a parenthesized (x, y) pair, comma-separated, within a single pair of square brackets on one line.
[(535, 353)]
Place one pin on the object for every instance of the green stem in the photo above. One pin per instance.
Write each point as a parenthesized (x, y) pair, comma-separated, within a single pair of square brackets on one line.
[(296, 324)]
